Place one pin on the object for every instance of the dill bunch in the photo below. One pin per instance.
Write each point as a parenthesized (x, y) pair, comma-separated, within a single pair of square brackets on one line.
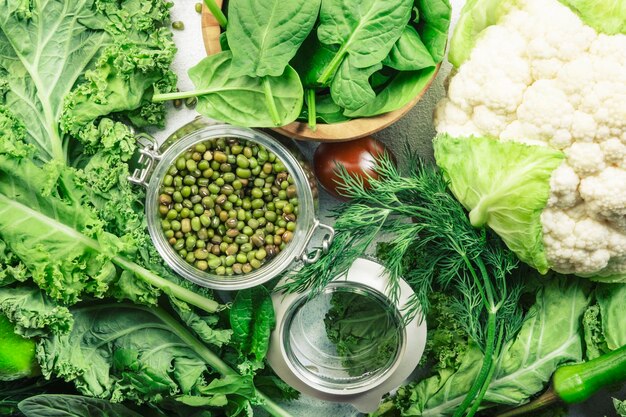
[(433, 246)]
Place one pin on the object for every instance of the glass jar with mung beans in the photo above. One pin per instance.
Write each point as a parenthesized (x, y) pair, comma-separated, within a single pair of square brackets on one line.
[(228, 207)]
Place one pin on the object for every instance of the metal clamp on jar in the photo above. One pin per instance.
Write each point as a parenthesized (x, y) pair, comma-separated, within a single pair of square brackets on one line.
[(351, 343), (156, 162)]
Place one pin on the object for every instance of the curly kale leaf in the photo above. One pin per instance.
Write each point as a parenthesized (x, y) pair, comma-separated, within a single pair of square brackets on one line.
[(447, 339), (65, 63)]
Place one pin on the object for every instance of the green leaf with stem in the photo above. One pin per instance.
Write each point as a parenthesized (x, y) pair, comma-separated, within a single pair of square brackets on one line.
[(217, 12), (242, 100)]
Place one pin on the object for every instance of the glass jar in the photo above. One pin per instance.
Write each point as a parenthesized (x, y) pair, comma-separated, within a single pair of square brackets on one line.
[(353, 342), (154, 162)]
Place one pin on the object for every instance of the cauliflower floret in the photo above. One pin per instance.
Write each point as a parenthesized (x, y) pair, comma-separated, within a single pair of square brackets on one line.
[(546, 114), (458, 122), (585, 158), (614, 152), (541, 76), (579, 246), (605, 196), (564, 186), (494, 78)]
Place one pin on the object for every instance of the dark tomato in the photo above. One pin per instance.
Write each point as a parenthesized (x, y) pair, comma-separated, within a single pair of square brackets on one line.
[(357, 156)]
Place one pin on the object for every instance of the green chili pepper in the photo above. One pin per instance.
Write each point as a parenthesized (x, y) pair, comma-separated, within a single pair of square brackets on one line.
[(577, 383)]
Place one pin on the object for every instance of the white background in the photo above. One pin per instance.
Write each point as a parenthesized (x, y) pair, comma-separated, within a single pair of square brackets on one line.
[(416, 128)]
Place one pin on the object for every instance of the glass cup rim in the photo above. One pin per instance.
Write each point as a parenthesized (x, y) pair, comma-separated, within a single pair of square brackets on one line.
[(304, 225)]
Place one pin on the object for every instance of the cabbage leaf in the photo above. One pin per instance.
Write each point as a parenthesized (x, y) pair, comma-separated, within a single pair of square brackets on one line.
[(505, 185)]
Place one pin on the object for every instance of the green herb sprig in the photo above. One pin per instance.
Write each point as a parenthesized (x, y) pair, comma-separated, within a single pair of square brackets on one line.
[(429, 230)]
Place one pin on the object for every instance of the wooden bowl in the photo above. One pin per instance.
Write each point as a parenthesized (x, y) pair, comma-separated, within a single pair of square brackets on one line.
[(336, 132)]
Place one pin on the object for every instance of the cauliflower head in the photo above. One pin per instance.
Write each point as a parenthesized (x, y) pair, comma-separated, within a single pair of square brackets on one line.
[(539, 73)]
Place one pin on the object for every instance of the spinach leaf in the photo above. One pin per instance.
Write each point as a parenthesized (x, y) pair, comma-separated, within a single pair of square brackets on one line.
[(433, 27), (265, 35), (242, 100), (398, 93), (409, 53), (365, 30), (311, 60), (58, 405), (351, 87), (252, 320)]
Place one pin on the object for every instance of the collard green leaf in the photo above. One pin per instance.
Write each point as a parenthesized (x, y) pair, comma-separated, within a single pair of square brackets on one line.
[(241, 100), (351, 87), (56, 405), (404, 87), (549, 337), (409, 53), (252, 320), (434, 24), (265, 35), (505, 185), (365, 30)]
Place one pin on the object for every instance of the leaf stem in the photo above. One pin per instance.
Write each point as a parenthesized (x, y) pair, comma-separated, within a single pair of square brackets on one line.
[(180, 95), (217, 12), (483, 391), (271, 407), (183, 294), (269, 101), (333, 65), (485, 370), (312, 109)]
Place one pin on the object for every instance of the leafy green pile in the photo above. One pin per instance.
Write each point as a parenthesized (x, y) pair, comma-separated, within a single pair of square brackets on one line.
[(79, 276), (345, 58)]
